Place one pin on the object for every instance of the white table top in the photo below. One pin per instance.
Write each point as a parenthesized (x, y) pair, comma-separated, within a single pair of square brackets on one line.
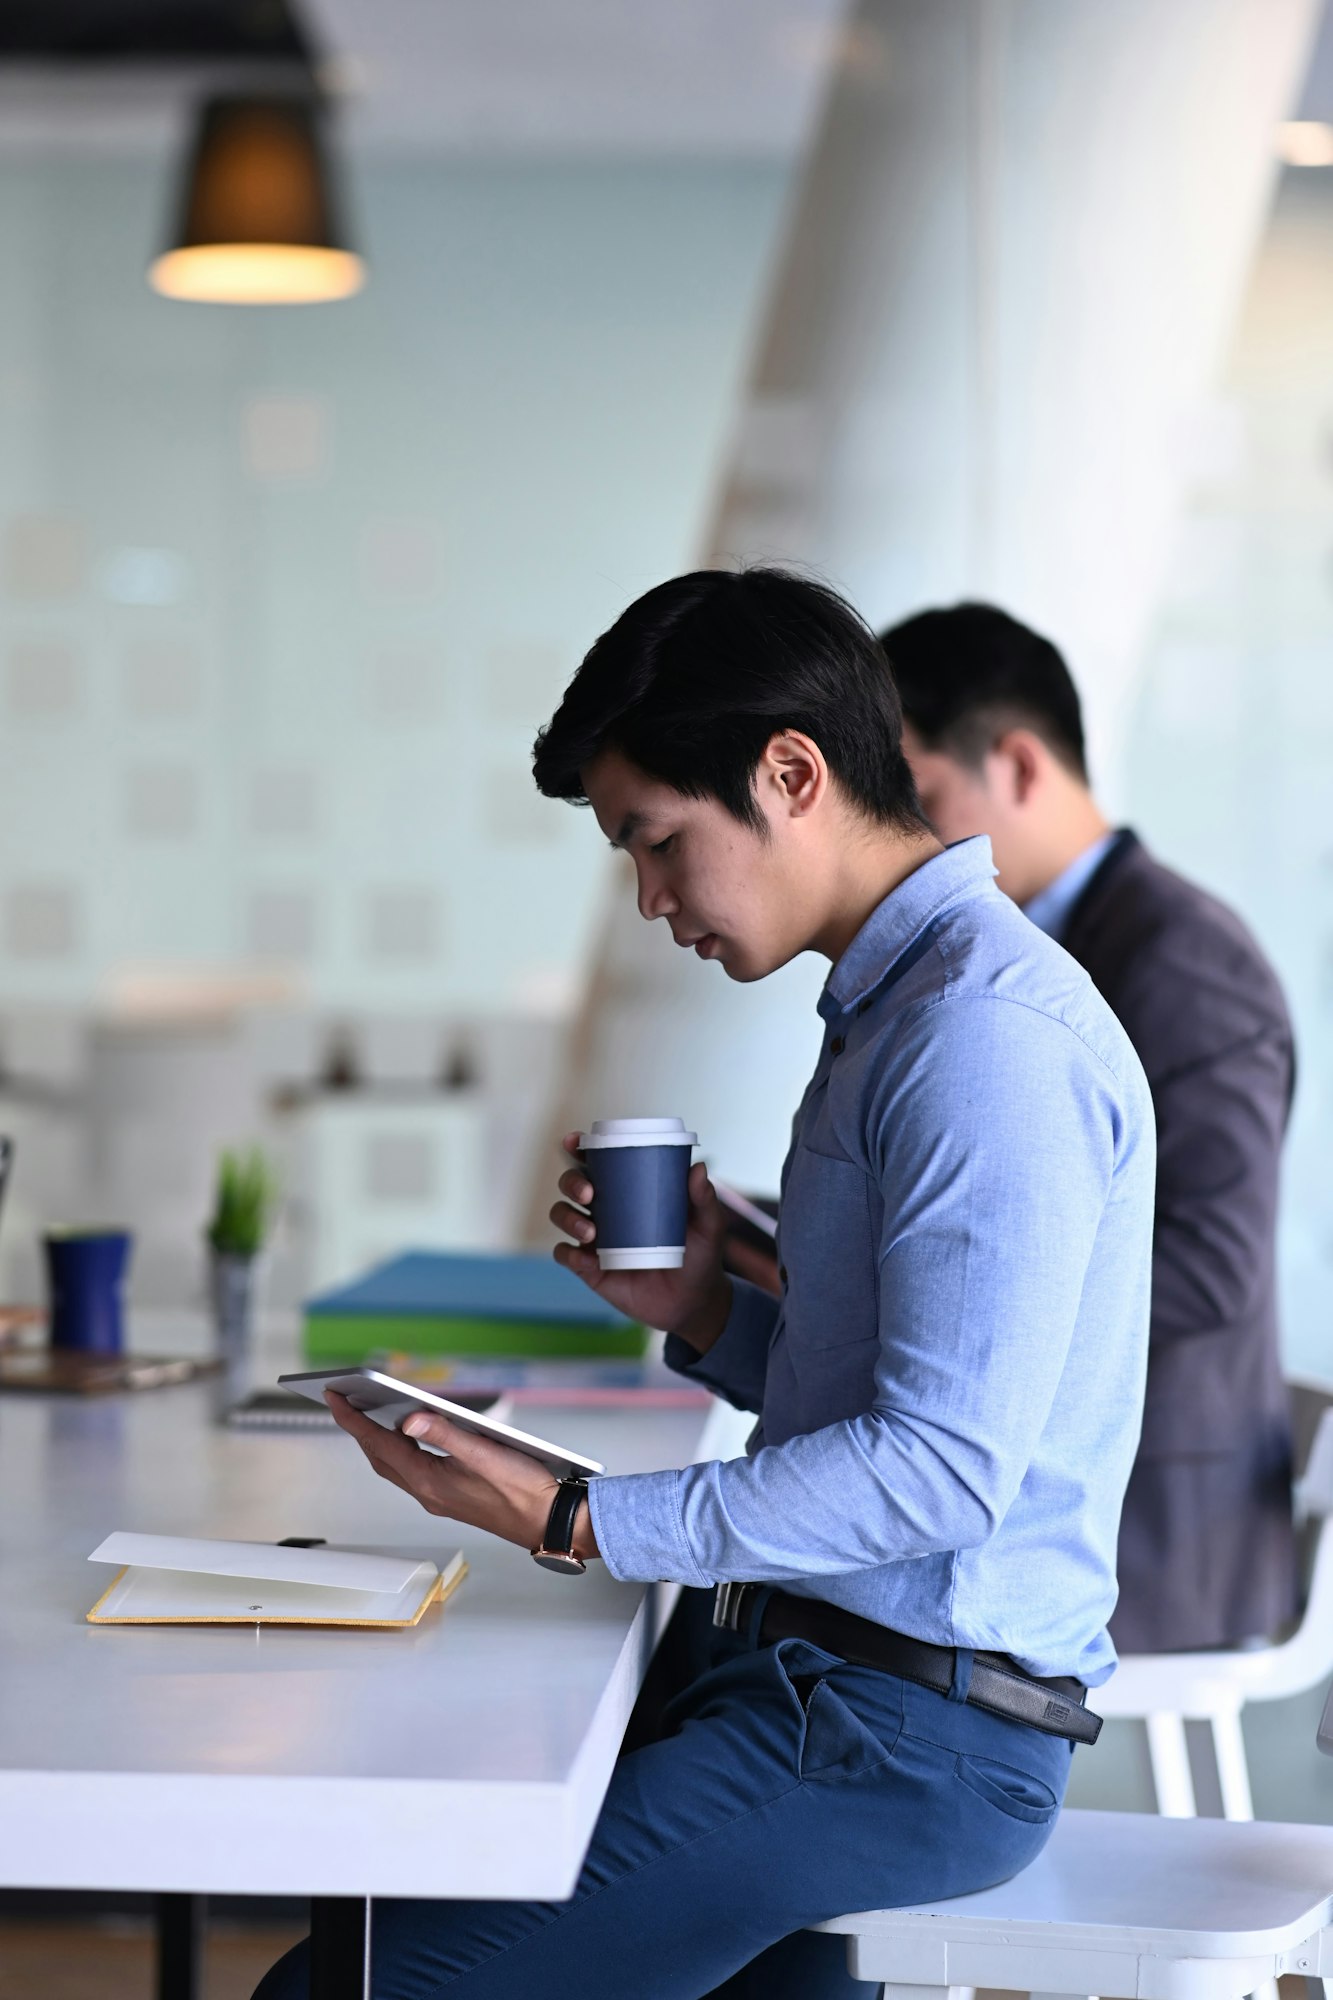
[(466, 1757)]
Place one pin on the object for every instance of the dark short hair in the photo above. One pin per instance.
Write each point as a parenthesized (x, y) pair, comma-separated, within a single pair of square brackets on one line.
[(969, 673), (696, 677)]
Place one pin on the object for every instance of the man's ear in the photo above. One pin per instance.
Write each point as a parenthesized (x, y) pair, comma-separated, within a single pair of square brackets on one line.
[(1021, 757), (793, 773)]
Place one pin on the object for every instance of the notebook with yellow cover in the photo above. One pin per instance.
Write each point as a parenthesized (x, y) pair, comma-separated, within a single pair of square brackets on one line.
[(184, 1580)]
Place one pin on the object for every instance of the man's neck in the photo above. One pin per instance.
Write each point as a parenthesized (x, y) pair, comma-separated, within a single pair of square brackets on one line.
[(1078, 826), (866, 874)]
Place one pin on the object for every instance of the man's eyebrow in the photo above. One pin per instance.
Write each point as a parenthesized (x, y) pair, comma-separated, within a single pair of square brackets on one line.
[(632, 823)]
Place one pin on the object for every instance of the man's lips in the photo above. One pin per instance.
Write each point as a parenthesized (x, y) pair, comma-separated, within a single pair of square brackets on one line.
[(702, 943)]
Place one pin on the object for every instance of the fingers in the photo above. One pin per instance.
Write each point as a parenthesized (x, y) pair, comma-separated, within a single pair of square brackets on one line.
[(573, 1221), (383, 1470), (382, 1447), (706, 1213), (348, 1418), (583, 1263), (566, 1215), (432, 1482), (371, 1439), (572, 1143), (577, 1186)]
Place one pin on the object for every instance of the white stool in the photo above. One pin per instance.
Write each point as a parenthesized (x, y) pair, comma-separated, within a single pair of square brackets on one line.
[(1164, 1690), (1125, 1906)]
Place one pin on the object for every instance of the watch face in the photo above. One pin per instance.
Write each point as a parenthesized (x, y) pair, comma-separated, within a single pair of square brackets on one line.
[(563, 1565)]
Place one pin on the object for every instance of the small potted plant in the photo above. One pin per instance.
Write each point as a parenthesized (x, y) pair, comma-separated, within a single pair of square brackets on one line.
[(243, 1214)]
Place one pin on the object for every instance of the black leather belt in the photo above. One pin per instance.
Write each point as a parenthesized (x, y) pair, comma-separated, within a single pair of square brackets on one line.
[(998, 1683)]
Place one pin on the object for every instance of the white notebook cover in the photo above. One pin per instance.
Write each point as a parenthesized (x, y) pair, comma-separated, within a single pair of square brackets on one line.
[(175, 1580)]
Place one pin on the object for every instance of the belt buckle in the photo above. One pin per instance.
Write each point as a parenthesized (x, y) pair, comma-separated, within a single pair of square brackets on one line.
[(729, 1601)]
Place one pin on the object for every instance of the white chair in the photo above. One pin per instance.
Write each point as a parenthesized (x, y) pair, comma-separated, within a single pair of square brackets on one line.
[(1125, 1906), (1165, 1690)]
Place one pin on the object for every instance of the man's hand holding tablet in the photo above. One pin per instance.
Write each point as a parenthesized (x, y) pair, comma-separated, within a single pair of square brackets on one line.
[(487, 1484), (506, 1481)]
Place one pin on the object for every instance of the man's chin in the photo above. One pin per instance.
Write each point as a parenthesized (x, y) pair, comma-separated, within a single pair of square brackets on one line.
[(738, 961), (743, 970)]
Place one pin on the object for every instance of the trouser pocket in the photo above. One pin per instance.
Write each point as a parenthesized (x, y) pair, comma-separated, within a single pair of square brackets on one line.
[(1010, 1790), (843, 1735)]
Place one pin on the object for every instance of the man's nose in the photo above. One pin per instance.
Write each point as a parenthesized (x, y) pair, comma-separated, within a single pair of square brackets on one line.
[(655, 896)]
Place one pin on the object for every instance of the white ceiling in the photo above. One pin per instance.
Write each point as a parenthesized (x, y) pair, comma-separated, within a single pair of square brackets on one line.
[(692, 78)]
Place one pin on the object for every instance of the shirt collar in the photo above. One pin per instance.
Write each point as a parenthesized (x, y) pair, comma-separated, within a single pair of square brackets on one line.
[(906, 912), (1051, 909)]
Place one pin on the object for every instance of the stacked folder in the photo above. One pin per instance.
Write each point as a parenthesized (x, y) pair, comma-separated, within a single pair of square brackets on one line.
[(440, 1302)]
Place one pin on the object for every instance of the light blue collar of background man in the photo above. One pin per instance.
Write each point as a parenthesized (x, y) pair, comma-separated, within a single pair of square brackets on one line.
[(1051, 908)]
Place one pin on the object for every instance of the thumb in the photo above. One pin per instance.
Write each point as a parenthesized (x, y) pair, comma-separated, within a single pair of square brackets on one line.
[(441, 1433), (477, 1453), (702, 1193)]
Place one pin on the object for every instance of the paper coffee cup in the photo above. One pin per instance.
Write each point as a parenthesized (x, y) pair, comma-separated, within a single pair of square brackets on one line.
[(640, 1170)]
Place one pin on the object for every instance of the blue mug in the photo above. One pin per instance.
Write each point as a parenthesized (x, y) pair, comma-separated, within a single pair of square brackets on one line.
[(86, 1270)]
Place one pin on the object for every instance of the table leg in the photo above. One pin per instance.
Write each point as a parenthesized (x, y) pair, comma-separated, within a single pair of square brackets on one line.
[(340, 1948), (180, 1947)]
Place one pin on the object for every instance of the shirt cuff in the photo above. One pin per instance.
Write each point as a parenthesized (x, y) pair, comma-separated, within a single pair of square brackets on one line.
[(640, 1535), (735, 1364)]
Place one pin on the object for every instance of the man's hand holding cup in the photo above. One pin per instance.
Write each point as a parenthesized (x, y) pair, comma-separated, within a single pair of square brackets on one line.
[(647, 1227)]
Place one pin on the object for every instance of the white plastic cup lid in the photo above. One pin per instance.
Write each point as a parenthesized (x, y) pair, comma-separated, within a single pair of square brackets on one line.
[(637, 1132)]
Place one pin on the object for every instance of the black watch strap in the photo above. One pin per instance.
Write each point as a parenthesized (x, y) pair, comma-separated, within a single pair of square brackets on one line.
[(557, 1547)]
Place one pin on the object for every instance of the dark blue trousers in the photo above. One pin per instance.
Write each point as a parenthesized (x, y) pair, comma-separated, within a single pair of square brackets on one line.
[(791, 1787)]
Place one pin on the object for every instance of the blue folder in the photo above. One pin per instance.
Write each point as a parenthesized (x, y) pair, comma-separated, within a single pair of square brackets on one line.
[(447, 1302)]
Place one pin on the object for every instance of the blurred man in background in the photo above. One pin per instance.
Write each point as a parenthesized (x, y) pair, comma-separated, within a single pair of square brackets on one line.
[(995, 738)]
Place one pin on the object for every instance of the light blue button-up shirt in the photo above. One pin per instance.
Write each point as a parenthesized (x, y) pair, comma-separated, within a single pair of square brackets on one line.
[(949, 1390)]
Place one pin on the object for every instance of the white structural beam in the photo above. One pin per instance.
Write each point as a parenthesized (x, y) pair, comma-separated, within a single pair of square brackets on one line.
[(986, 368), (992, 346)]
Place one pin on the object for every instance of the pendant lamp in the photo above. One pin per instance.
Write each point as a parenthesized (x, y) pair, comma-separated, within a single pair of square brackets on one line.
[(259, 223)]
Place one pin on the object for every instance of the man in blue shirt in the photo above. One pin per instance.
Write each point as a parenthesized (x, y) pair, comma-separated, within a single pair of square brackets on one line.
[(916, 1557)]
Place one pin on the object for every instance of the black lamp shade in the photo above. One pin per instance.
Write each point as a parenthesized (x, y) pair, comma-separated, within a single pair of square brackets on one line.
[(259, 222)]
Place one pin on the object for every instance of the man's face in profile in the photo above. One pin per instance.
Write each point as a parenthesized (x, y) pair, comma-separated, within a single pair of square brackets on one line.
[(726, 893)]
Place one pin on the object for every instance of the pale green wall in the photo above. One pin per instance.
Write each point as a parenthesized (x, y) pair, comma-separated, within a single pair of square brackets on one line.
[(317, 753), (1229, 743)]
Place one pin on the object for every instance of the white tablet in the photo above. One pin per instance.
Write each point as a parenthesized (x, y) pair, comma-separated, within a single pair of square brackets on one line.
[(391, 1402)]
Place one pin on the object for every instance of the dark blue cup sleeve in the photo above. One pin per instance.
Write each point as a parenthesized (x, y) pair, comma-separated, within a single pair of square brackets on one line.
[(641, 1197)]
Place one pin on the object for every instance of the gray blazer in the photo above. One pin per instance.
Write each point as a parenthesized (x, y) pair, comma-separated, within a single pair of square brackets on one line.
[(1207, 1550)]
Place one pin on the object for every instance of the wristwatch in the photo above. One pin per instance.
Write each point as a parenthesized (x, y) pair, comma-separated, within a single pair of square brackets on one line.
[(557, 1545)]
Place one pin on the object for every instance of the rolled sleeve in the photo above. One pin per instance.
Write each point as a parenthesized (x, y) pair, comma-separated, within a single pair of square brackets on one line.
[(639, 1529)]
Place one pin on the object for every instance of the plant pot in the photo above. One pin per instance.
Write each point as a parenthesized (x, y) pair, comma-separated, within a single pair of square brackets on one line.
[(233, 1292)]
